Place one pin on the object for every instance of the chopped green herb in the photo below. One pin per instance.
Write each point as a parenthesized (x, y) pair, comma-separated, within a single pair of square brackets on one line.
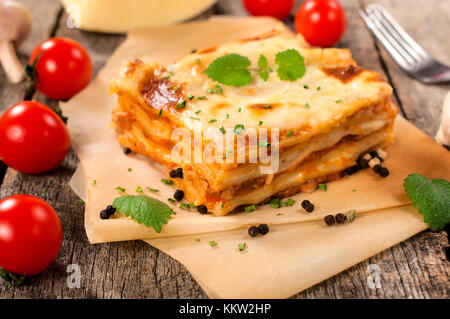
[(212, 120), (289, 202), (240, 109), (196, 112), (238, 129), (307, 105), (80, 201), (160, 113), (202, 97), (166, 181), (338, 101), (198, 240), (263, 68), (222, 129), (280, 214), (275, 203), (211, 91), (153, 190), (318, 88), (171, 73), (219, 89), (354, 190), (305, 86), (181, 105), (260, 123), (176, 89), (289, 133), (195, 118), (213, 243), (120, 189), (323, 186), (171, 200), (227, 116), (250, 208), (94, 182), (264, 143), (166, 77), (190, 96), (223, 204), (186, 206), (267, 106), (242, 246), (139, 189)]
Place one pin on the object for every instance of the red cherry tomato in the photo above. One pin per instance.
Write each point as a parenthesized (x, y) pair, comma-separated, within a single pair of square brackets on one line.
[(274, 8), (30, 234), (321, 22), (63, 68), (33, 139)]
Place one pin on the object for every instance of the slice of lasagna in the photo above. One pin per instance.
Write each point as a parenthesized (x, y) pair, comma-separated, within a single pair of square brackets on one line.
[(314, 127)]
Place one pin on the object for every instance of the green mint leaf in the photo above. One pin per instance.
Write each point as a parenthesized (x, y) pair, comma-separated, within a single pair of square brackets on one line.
[(145, 210), (263, 70), (432, 198), (231, 69), (291, 65)]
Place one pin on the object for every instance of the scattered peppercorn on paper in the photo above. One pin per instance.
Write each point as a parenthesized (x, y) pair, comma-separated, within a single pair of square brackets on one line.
[(299, 250)]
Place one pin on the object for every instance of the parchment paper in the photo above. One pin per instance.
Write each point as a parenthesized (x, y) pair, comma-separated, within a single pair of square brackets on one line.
[(300, 250)]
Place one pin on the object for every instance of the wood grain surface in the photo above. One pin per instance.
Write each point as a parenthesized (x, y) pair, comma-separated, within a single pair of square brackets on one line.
[(416, 268)]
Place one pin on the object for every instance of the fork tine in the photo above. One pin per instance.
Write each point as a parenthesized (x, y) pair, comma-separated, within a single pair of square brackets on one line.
[(392, 49), (386, 25), (404, 51), (399, 30)]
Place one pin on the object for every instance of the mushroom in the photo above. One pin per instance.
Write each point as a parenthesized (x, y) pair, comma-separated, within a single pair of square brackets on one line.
[(15, 26), (443, 134)]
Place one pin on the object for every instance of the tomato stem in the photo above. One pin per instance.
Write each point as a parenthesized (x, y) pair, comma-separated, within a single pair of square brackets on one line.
[(11, 278)]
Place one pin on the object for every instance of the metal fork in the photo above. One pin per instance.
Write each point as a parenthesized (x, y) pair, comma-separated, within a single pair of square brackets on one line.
[(408, 54)]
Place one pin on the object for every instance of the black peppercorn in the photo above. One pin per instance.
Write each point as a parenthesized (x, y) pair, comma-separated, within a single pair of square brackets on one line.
[(127, 150), (193, 50), (351, 170), (329, 220), (377, 168), (178, 195), (375, 154), (202, 209), (306, 204), (263, 229), (110, 210), (363, 163), (253, 231), (173, 173), (383, 172), (340, 218), (104, 214), (179, 172)]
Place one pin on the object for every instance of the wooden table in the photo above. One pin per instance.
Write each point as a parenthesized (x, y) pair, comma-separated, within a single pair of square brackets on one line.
[(416, 268)]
